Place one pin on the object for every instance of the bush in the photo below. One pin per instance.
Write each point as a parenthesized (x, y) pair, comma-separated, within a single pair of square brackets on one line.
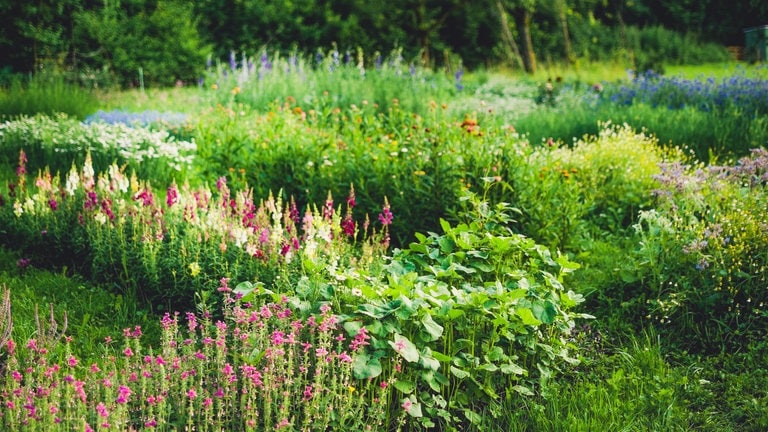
[(701, 255), (477, 314)]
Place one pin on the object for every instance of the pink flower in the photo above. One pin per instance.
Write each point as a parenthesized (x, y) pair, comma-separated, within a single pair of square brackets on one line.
[(128, 352), (278, 337), (122, 394), (102, 410), (361, 339), (72, 361), (308, 392), (407, 404), (10, 346), (191, 394), (172, 197), (224, 287), (385, 217)]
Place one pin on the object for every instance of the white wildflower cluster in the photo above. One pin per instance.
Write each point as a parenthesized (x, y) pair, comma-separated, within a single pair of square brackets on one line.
[(66, 135)]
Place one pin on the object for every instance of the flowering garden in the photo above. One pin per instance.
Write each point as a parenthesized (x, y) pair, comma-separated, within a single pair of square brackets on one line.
[(338, 243)]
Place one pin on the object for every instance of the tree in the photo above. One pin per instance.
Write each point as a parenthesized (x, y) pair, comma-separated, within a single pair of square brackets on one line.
[(522, 12), (159, 38)]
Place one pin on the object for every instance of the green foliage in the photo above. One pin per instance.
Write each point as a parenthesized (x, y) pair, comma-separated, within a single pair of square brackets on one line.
[(148, 43), (653, 47), (702, 252), (476, 313), (331, 79), (420, 164), (725, 131), (45, 95), (567, 195), (65, 304)]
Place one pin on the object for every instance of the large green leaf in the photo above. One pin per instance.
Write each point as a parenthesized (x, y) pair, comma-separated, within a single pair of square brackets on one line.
[(405, 348), (527, 316), (365, 367), (545, 312), (434, 329)]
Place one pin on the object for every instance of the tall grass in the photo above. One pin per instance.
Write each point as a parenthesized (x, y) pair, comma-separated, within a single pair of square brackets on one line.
[(330, 79), (712, 117), (46, 95)]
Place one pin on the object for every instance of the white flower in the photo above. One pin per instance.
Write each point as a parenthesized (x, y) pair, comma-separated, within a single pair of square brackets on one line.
[(73, 181)]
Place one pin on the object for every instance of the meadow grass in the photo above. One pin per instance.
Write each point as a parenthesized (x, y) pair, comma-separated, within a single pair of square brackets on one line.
[(46, 95)]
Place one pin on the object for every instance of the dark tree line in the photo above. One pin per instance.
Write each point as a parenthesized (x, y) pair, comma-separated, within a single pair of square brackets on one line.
[(169, 40)]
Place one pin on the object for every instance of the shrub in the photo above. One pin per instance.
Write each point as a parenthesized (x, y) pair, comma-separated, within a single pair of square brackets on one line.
[(702, 255), (476, 314), (597, 186)]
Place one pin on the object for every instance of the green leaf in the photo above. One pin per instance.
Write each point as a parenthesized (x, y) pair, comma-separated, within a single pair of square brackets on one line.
[(516, 294), (567, 265), (525, 391), (526, 315), (473, 417), (512, 369), (432, 379), (490, 367), (414, 408), (496, 353), (244, 288), (327, 291), (459, 373), (446, 244), (545, 312), (405, 386), (403, 346), (440, 356), (434, 329), (365, 367), (429, 362), (445, 225)]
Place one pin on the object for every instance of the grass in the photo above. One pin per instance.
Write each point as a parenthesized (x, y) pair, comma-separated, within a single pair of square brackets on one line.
[(46, 95), (87, 312)]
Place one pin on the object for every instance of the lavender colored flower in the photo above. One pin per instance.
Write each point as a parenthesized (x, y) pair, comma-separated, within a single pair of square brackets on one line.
[(232, 61)]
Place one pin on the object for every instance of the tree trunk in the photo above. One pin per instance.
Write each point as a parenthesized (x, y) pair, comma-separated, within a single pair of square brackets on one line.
[(506, 36), (566, 36), (523, 23)]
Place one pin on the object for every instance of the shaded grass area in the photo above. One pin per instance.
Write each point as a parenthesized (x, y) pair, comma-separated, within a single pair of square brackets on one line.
[(46, 95), (47, 304)]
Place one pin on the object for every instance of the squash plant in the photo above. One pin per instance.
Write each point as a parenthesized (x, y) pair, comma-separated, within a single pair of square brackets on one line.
[(475, 314)]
